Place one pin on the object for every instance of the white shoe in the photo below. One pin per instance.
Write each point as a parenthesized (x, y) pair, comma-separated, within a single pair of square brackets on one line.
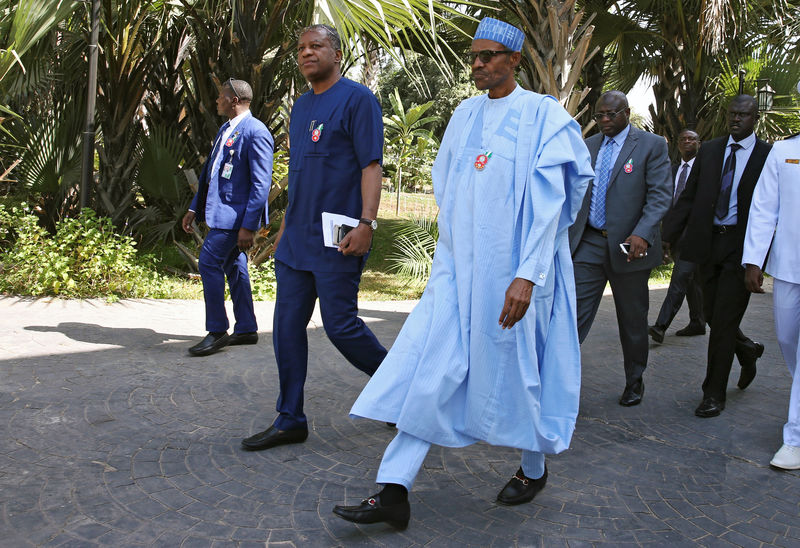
[(787, 458)]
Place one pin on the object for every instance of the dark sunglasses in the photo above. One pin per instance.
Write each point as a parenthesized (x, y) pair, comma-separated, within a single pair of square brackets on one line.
[(611, 115), (485, 55)]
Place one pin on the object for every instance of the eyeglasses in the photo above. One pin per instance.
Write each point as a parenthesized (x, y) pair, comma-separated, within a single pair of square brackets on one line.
[(233, 89), (611, 115), (485, 55)]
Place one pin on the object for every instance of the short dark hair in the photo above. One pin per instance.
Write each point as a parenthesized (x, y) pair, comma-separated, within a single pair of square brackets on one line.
[(614, 95), (330, 32), (744, 98), (240, 88)]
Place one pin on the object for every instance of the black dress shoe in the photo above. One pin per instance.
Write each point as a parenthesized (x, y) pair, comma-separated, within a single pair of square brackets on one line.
[(372, 511), (657, 333), (272, 437), (691, 330), (709, 407), (632, 395), (747, 354), (243, 338), (213, 342), (521, 489)]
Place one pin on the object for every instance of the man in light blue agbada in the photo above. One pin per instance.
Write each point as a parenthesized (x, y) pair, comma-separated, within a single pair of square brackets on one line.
[(509, 179)]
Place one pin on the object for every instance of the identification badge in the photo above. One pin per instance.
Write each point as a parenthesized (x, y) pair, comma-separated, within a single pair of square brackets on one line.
[(628, 167), (231, 139), (317, 133), (793, 160), (482, 159), (227, 170)]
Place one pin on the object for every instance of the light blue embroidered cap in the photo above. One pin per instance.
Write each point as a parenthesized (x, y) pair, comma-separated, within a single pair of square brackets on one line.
[(498, 31)]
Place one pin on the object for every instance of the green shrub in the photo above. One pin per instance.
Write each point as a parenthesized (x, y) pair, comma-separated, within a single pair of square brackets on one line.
[(262, 280), (85, 258)]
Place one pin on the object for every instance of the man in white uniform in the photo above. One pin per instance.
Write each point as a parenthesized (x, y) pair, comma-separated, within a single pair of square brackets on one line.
[(774, 227)]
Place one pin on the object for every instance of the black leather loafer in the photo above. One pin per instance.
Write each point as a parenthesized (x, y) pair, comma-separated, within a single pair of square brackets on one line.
[(272, 437), (709, 407), (656, 333), (243, 338), (520, 489), (632, 395), (372, 511), (213, 342), (691, 330), (747, 356)]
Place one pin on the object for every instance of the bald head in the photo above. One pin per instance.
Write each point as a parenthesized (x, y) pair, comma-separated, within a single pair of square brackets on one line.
[(612, 113)]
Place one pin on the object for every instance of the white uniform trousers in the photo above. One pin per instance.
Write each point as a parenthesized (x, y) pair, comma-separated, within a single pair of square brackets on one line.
[(404, 455), (786, 308)]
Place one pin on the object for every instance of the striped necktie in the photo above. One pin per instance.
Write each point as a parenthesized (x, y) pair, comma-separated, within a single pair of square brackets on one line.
[(597, 207), (728, 170), (681, 182)]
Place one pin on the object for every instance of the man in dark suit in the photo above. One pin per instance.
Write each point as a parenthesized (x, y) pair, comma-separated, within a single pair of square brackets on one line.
[(713, 211), (232, 200), (623, 207), (682, 283)]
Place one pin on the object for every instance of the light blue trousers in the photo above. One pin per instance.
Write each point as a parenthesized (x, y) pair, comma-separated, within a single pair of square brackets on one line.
[(404, 455)]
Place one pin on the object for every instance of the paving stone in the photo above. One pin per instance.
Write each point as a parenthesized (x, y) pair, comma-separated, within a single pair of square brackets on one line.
[(142, 444)]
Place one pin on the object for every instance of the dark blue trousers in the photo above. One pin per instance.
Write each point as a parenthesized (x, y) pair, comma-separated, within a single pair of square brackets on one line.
[(297, 293), (220, 257)]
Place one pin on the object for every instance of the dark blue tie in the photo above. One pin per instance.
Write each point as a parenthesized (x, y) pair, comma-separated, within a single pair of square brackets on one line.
[(681, 182), (724, 198)]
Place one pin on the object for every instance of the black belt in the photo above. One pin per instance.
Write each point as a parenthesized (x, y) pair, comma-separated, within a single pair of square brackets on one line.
[(722, 229), (602, 231)]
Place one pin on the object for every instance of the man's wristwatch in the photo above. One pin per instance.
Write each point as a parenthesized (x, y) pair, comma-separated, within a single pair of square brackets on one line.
[(373, 224)]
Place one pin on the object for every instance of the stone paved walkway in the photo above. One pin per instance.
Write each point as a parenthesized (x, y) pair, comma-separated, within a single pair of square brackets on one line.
[(113, 436)]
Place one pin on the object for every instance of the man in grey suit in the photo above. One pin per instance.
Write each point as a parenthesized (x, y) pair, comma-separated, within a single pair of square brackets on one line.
[(623, 207)]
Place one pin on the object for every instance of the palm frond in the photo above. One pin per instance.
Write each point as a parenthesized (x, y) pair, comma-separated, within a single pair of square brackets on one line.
[(414, 248)]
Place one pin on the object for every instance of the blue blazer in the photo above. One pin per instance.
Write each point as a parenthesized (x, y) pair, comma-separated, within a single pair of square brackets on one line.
[(240, 201)]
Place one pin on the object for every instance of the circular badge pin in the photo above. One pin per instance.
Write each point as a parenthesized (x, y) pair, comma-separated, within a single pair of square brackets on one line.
[(317, 133), (481, 160), (628, 167)]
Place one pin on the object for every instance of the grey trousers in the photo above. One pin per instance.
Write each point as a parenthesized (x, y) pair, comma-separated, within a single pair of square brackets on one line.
[(631, 300)]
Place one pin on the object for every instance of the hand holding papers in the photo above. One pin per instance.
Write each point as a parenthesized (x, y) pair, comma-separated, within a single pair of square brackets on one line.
[(330, 227)]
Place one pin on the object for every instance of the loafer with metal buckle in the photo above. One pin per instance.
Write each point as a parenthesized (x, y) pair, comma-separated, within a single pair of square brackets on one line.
[(521, 489)]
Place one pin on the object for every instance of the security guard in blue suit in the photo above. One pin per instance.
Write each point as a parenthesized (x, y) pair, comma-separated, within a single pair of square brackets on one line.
[(336, 132), (232, 201)]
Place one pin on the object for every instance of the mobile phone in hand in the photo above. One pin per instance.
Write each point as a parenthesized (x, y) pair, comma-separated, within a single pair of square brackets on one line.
[(339, 232), (625, 247)]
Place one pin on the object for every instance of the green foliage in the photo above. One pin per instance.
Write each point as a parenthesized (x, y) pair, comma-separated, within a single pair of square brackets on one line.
[(85, 258), (262, 280), (408, 137), (427, 84), (415, 244)]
